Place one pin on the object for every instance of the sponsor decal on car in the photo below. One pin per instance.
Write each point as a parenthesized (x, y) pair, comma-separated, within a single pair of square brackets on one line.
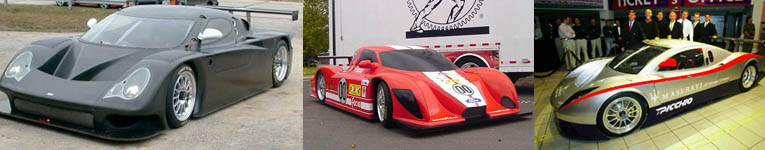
[(354, 89), (473, 100), (444, 118), (674, 106)]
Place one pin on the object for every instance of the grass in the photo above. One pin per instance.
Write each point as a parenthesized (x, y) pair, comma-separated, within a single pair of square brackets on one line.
[(310, 70), (48, 18)]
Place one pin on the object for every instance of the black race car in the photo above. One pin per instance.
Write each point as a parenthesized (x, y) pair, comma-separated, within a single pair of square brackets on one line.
[(143, 70)]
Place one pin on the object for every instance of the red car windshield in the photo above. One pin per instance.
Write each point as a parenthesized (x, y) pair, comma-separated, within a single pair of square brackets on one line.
[(416, 60)]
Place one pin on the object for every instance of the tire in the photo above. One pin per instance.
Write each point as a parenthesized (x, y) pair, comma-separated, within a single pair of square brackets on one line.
[(468, 62), (386, 115), (187, 97), (282, 58), (321, 92), (748, 77), (637, 122), (60, 3), (104, 6)]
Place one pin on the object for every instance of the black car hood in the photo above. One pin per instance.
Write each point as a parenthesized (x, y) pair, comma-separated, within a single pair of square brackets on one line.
[(77, 60)]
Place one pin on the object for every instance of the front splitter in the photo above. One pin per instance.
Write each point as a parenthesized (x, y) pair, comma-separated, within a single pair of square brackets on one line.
[(114, 135)]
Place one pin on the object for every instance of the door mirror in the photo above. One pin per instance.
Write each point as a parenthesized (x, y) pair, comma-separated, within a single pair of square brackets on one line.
[(91, 22), (210, 34), (368, 64), (669, 63)]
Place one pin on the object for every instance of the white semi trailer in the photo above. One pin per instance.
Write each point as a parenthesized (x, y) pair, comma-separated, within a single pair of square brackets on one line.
[(471, 33)]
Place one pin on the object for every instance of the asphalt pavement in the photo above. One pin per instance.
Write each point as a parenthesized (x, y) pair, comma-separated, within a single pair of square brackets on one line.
[(329, 128)]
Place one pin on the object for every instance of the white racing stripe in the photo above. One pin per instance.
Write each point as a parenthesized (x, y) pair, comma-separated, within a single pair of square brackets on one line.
[(461, 89), (351, 100)]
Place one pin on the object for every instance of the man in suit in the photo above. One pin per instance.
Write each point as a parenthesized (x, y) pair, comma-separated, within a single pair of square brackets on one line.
[(633, 32), (698, 30), (709, 29), (674, 27), (662, 24)]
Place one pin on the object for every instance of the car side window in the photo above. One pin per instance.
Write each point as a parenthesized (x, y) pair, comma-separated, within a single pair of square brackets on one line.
[(223, 25), (684, 60), (368, 55)]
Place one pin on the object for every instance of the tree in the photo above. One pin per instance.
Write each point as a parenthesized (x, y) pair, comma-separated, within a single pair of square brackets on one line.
[(315, 29)]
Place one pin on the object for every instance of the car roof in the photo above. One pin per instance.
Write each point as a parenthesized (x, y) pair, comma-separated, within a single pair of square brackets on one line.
[(378, 49), (172, 12), (674, 43)]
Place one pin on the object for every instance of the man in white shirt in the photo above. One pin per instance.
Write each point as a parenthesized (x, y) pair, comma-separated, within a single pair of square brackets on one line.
[(567, 35), (687, 26)]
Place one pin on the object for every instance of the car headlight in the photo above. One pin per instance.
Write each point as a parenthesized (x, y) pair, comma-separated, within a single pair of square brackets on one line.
[(20, 66), (132, 86)]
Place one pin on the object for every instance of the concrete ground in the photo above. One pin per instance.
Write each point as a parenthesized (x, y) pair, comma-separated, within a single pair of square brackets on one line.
[(271, 120), (327, 127), (734, 122)]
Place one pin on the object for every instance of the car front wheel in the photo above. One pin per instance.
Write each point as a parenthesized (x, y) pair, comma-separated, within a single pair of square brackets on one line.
[(181, 96), (384, 105), (621, 114)]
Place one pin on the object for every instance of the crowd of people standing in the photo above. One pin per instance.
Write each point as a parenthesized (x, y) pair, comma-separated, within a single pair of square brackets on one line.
[(574, 38)]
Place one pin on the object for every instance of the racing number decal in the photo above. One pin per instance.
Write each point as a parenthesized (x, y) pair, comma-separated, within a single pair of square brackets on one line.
[(342, 93), (462, 89)]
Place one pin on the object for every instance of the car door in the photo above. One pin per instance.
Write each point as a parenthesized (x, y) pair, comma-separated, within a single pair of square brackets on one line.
[(230, 73), (683, 76), (352, 84)]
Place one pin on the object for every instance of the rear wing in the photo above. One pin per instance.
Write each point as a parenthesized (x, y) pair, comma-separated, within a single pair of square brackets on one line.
[(334, 58), (248, 11)]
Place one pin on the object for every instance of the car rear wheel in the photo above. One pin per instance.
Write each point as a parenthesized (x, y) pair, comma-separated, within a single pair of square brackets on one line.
[(60, 3), (181, 96), (281, 65), (104, 6), (321, 86), (470, 62), (384, 105), (748, 77), (621, 114)]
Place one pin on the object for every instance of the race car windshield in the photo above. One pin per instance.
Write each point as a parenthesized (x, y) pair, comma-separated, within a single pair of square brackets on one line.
[(416, 60), (127, 31), (633, 61)]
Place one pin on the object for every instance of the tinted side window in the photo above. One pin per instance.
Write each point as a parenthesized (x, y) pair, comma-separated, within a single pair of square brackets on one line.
[(686, 60), (368, 55)]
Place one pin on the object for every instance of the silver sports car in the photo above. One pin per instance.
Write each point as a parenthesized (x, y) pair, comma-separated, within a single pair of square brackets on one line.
[(614, 96)]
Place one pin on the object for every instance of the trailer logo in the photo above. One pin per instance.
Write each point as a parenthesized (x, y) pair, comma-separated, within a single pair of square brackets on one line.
[(435, 18)]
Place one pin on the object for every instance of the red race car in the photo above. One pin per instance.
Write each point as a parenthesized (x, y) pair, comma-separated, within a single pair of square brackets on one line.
[(416, 87)]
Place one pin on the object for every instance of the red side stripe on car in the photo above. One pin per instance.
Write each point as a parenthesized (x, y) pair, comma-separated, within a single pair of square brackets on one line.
[(723, 67)]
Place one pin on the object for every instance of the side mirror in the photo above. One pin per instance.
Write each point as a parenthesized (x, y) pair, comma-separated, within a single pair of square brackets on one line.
[(210, 34), (368, 64), (92, 22), (671, 62)]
